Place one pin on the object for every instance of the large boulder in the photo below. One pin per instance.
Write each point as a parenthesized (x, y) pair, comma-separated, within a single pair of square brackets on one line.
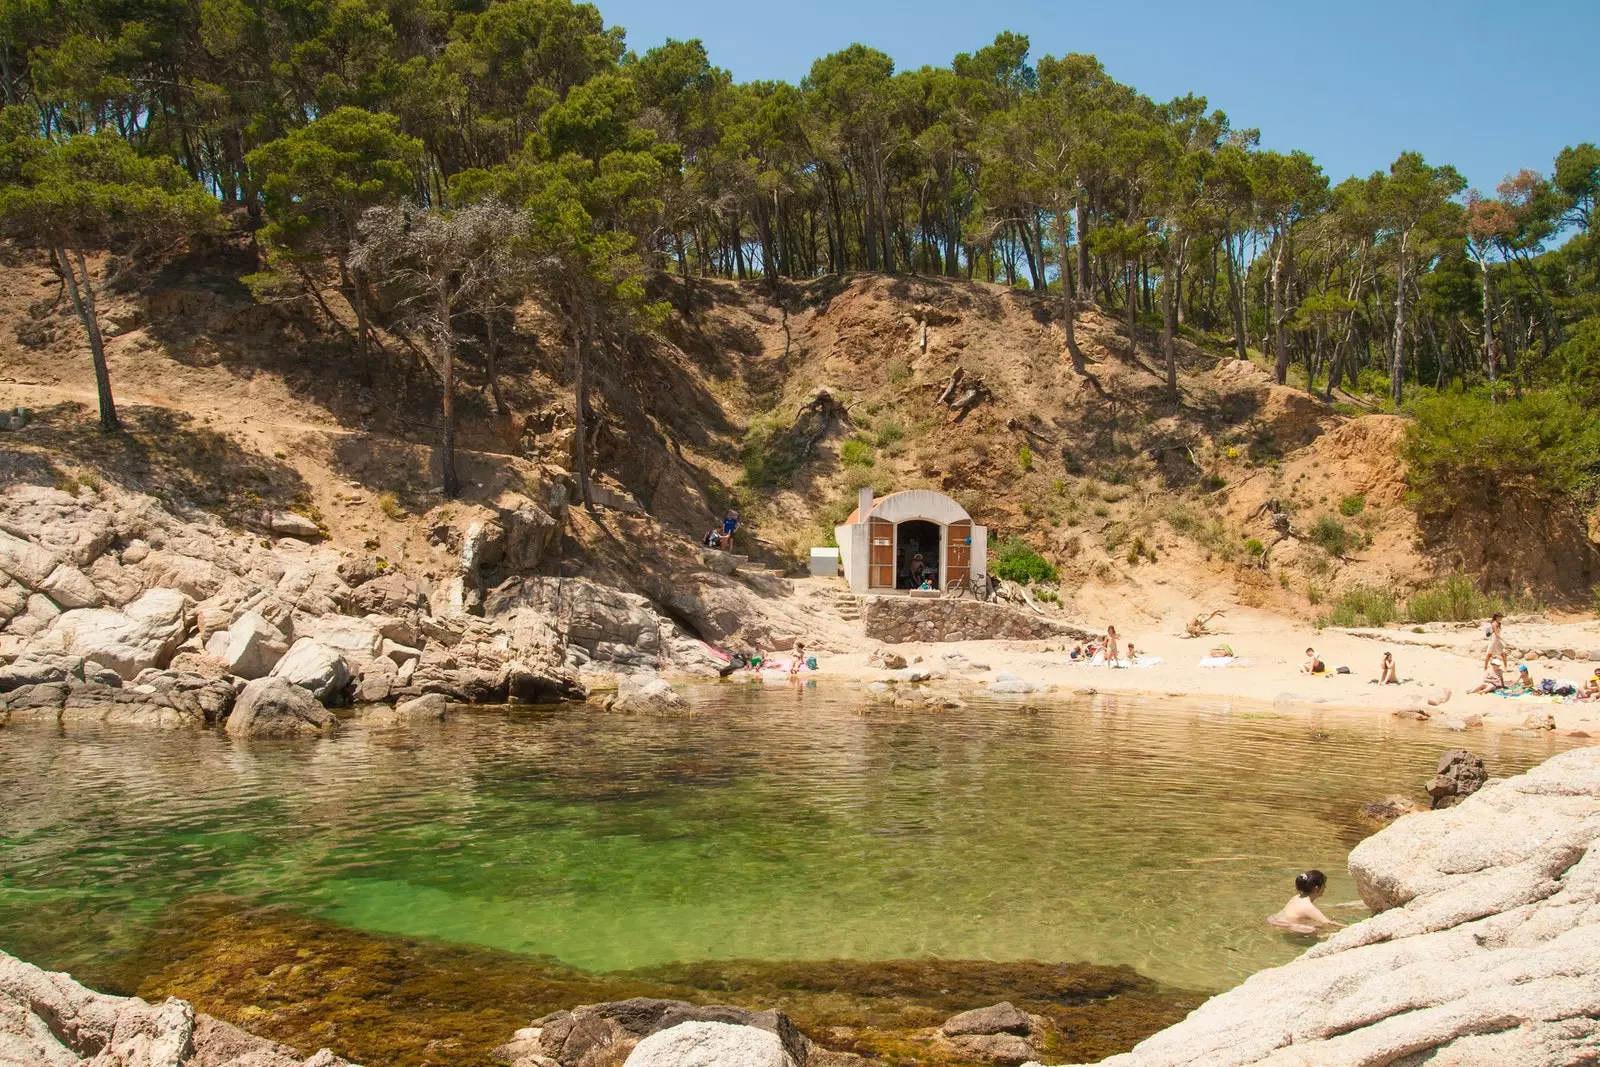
[(419, 711), (48, 1020), (359, 641), (314, 667), (143, 634), (604, 1033), (250, 647), (1001, 1018), (25, 561), (276, 707), (40, 668), (71, 588), (697, 1044)]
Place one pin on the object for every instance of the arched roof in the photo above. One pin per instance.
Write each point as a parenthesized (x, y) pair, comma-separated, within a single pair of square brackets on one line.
[(914, 504)]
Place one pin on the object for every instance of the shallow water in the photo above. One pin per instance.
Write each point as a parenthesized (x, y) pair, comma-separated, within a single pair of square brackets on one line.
[(775, 824)]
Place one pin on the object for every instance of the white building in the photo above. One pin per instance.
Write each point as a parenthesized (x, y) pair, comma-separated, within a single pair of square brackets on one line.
[(883, 541)]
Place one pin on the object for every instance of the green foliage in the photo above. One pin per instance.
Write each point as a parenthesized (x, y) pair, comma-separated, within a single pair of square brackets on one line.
[(769, 456), (1353, 505), (1455, 598), (1331, 535), (856, 452), (890, 433), (1254, 548), (1363, 605), (1025, 458), (1464, 449), (899, 370), (1014, 560)]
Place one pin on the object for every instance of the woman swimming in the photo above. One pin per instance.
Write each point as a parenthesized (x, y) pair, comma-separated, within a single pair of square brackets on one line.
[(1301, 915)]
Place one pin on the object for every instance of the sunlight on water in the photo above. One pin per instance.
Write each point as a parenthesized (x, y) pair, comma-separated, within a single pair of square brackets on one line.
[(771, 825)]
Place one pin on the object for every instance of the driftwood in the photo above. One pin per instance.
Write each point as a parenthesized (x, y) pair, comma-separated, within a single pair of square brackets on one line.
[(1197, 625), (827, 410), (950, 386), (1013, 593)]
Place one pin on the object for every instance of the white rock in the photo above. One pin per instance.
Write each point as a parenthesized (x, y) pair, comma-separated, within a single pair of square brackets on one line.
[(274, 707), (143, 634), (710, 1045), (71, 588), (314, 667), (26, 561), (136, 552), (651, 695), (251, 647), (357, 640), (398, 652), (289, 524)]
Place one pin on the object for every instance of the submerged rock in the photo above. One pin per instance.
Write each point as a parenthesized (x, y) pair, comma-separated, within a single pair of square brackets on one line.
[(654, 696), (1002, 1018), (47, 1019), (1460, 775)]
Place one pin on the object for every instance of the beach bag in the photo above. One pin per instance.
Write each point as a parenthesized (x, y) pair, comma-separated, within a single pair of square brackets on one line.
[(811, 662)]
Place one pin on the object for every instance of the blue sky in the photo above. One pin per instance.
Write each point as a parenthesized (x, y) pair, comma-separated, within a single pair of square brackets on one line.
[(1489, 87)]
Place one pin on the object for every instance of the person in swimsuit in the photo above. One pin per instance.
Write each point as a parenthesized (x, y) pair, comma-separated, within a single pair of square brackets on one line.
[(1386, 673), (1494, 679), (1497, 647), (1111, 646), (1301, 915), (1591, 688)]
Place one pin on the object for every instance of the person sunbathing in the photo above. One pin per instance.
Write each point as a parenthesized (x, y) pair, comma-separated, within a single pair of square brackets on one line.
[(1494, 679), (1312, 665), (1591, 688), (1301, 915), (1386, 673)]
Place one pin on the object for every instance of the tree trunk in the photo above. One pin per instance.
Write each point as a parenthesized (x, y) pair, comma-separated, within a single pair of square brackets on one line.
[(493, 360), (1081, 223), (1069, 309), (1489, 353), (1132, 270), (1169, 314), (1236, 303), (447, 375), (83, 302), (1397, 373), (1280, 370), (580, 451)]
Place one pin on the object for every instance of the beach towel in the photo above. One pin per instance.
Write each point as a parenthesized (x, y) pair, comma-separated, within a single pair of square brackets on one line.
[(1146, 661), (1217, 661)]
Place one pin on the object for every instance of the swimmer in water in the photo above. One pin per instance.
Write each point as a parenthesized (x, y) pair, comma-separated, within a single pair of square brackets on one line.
[(1301, 915)]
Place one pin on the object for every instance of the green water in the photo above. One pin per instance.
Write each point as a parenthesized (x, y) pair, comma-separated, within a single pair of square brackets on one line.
[(772, 825)]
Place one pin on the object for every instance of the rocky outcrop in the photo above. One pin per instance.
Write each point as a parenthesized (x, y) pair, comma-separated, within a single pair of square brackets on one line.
[(700, 1044), (609, 1033), (1485, 948), (897, 619), (48, 1020), (1461, 774), (276, 707), (650, 696), (418, 711)]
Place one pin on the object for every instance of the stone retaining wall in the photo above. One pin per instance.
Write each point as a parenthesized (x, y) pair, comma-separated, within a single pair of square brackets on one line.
[(895, 619)]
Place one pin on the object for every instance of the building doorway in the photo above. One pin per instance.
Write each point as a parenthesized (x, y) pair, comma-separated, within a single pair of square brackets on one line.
[(917, 554)]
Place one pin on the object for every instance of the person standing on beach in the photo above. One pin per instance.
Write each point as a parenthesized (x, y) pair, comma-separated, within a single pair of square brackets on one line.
[(1497, 647), (1111, 646)]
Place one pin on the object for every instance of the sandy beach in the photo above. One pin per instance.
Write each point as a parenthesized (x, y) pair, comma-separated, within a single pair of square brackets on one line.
[(1270, 652)]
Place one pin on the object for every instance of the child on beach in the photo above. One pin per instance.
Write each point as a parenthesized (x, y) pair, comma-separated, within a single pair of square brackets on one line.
[(1386, 673), (1111, 646), (1591, 688), (1301, 915)]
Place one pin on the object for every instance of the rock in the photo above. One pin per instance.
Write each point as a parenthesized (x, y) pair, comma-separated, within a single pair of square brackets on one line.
[(397, 652), (41, 668), (276, 707), (1539, 720), (889, 661), (652, 696), (1460, 775), (527, 683), (428, 708), (1002, 1018), (135, 552), (1390, 808), (377, 680), (1485, 949), (1411, 713), (391, 594), (1013, 685), (48, 1020), (314, 667), (1438, 696), (289, 524), (143, 634), (996, 1048), (359, 641), (26, 562), (71, 588), (697, 1044), (250, 648)]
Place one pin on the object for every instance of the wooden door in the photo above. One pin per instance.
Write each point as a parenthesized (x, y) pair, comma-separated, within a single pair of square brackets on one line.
[(880, 573), (958, 553)]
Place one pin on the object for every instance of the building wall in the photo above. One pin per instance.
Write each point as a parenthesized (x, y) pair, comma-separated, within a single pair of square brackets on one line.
[(855, 539)]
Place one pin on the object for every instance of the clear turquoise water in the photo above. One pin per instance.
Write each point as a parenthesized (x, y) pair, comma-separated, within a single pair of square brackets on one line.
[(783, 825)]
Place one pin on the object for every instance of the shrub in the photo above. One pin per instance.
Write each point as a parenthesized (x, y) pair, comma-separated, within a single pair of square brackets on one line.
[(889, 433), (1466, 450), (1363, 605), (1016, 561), (1352, 505), (1025, 458), (899, 370), (769, 454), (1255, 547), (1329, 534), (856, 453), (1047, 596), (389, 504), (1456, 598)]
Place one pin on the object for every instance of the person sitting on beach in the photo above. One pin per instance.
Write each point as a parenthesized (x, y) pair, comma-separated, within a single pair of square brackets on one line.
[(1312, 665), (1131, 653), (1076, 653), (1386, 673), (1591, 688), (1525, 680), (1494, 679), (1301, 915)]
